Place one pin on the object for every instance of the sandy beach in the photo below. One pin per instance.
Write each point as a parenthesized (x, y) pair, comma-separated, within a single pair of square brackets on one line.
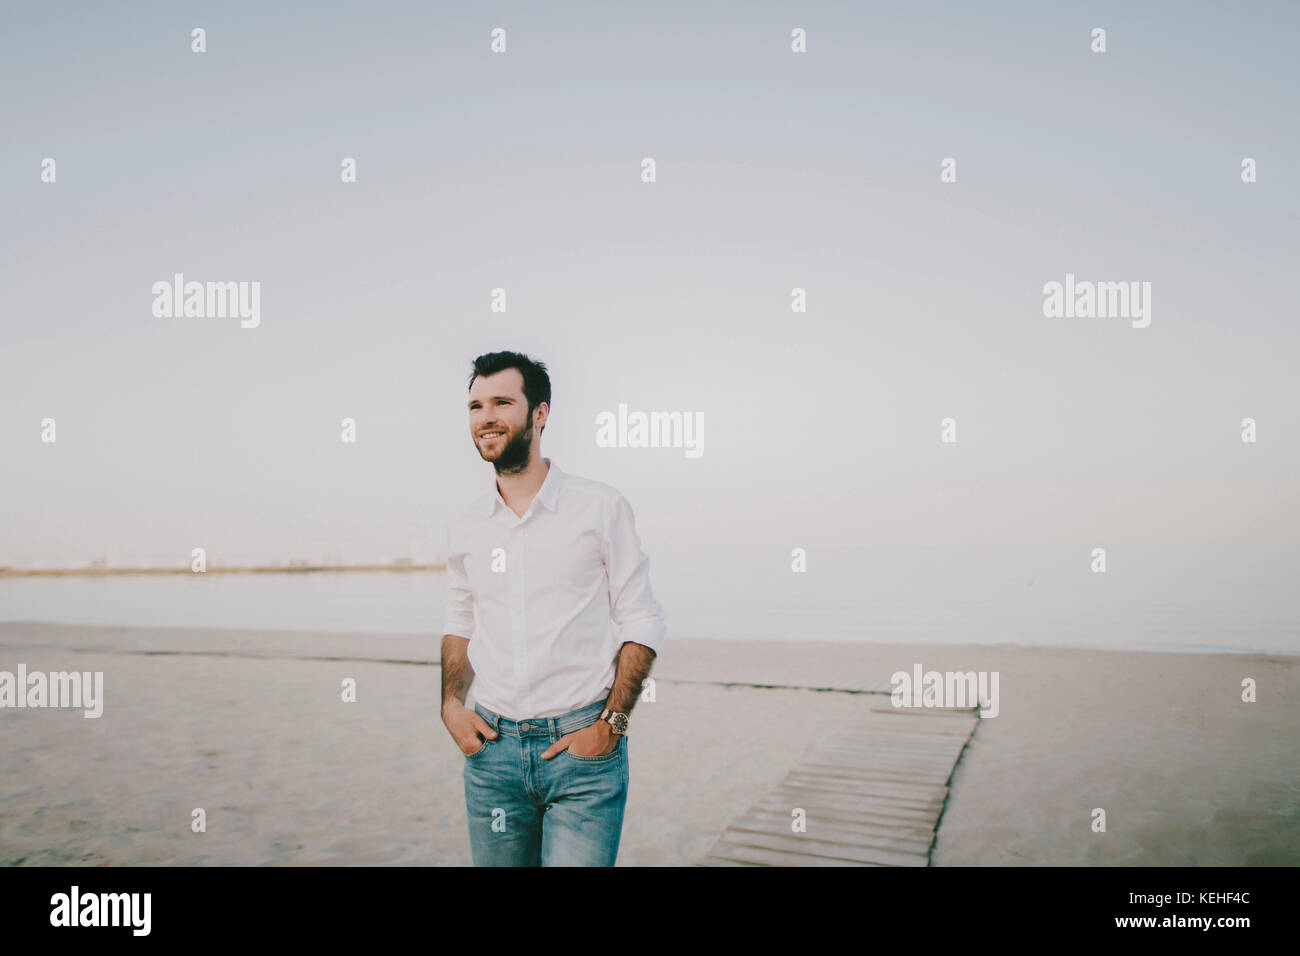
[(251, 727)]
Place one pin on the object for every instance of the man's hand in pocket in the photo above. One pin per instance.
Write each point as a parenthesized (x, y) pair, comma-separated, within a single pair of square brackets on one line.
[(595, 740), (465, 726)]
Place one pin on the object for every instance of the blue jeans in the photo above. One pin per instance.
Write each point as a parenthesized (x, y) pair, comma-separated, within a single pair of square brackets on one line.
[(526, 811)]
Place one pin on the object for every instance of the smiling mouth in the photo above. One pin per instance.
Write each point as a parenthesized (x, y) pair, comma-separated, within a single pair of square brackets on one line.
[(488, 436)]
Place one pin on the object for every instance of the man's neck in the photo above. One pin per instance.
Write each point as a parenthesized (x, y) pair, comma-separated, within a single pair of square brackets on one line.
[(519, 490)]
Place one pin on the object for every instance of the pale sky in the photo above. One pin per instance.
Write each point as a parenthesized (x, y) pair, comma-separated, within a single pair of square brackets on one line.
[(775, 170)]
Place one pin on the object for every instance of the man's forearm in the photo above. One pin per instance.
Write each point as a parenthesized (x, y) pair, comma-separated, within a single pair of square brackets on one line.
[(457, 675), (634, 663)]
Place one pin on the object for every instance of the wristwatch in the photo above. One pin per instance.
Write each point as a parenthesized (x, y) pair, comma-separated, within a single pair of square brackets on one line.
[(615, 720)]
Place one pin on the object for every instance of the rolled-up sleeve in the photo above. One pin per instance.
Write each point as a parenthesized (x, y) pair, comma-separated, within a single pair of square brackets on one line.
[(632, 605), (460, 599)]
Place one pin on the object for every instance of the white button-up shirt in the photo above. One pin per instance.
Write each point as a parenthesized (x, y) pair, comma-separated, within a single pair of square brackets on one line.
[(539, 596)]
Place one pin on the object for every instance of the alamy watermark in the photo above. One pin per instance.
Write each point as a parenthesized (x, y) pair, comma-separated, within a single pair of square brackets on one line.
[(56, 689), (946, 689), (208, 300), (1098, 300), (651, 430), (102, 909)]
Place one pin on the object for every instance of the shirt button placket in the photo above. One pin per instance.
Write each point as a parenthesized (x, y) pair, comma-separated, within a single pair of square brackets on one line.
[(518, 616)]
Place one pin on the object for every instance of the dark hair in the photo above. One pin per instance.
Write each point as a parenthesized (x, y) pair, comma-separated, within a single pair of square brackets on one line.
[(537, 384)]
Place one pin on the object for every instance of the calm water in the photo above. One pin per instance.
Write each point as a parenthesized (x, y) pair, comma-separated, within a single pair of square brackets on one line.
[(844, 596)]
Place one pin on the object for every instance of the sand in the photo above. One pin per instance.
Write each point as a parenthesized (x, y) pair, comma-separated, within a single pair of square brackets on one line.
[(250, 727)]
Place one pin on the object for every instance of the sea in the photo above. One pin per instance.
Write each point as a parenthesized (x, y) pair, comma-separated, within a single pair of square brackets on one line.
[(937, 596)]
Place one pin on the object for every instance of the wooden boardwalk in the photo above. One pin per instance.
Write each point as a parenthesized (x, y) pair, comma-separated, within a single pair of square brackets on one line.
[(872, 794)]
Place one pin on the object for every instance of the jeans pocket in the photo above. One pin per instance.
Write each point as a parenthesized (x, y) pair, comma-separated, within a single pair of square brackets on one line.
[(598, 758), (477, 752)]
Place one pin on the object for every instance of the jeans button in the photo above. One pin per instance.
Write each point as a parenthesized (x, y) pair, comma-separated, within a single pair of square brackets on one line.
[(525, 726)]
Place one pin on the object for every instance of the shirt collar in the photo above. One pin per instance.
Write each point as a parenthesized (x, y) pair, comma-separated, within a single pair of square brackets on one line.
[(548, 494)]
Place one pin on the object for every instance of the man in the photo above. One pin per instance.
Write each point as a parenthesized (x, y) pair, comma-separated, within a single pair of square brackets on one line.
[(537, 568)]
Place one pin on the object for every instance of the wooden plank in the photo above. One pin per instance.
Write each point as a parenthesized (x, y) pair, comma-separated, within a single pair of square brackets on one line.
[(878, 756), (887, 793), (875, 816), (928, 779), (898, 742), (902, 776), (856, 817), (894, 722), (844, 852), (903, 747), (943, 729), (894, 740), (767, 821), (899, 759), (899, 733), (717, 861), (916, 778), (814, 794), (769, 857), (824, 828), (907, 718), (884, 801), (898, 763), (938, 770), (844, 781), (834, 792), (854, 804)]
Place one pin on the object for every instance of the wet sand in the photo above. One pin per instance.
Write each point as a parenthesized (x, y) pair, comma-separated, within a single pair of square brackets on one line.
[(250, 726)]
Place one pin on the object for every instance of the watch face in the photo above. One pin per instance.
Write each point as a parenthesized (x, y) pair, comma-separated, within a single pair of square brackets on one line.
[(619, 722)]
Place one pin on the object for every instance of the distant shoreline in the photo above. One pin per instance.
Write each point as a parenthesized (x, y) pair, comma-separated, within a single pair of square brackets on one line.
[(251, 569)]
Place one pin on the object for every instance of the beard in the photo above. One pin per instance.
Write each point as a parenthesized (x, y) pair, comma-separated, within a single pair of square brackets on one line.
[(513, 458)]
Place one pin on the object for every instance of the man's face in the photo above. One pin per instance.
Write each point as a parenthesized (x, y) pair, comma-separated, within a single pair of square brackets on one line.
[(498, 419)]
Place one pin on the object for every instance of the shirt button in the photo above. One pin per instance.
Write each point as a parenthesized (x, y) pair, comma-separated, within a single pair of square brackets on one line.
[(525, 726)]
